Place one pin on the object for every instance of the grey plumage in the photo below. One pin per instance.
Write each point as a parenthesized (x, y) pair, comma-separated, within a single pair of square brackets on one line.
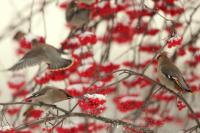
[(49, 95), (75, 16), (170, 75), (42, 53)]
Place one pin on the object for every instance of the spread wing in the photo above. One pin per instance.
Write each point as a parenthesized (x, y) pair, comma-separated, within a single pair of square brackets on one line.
[(173, 74), (31, 58), (55, 61)]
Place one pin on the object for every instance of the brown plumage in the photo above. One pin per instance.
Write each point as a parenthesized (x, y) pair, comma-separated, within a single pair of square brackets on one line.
[(42, 53), (47, 95), (170, 75), (75, 16)]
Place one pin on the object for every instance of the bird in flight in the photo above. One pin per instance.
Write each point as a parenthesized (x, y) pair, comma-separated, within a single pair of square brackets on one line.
[(42, 53)]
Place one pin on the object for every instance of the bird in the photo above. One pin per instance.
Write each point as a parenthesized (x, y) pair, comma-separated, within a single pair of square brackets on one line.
[(47, 95), (42, 53), (169, 74), (76, 16)]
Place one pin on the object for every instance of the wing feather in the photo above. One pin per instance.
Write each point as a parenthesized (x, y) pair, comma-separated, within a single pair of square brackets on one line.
[(40, 92), (31, 58), (175, 76)]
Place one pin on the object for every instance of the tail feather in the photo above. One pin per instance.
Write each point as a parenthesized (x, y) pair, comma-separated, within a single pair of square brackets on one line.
[(185, 86), (16, 67), (60, 65)]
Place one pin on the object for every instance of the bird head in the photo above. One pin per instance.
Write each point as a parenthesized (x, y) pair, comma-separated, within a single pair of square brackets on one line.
[(162, 55)]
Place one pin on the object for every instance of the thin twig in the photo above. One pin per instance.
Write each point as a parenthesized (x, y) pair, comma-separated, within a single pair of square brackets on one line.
[(101, 118), (171, 91)]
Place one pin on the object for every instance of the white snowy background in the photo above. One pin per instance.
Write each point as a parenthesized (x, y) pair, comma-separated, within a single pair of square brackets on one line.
[(11, 11)]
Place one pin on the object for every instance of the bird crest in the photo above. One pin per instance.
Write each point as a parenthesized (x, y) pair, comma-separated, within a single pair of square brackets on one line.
[(162, 54)]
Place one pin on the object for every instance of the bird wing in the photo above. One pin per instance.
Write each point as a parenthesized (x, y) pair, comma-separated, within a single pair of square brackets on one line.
[(63, 91), (174, 74), (55, 61), (60, 64), (57, 95), (51, 52), (31, 58), (40, 92)]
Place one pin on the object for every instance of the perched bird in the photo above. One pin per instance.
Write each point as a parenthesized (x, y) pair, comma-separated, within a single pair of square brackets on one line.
[(42, 53), (47, 95), (170, 75), (76, 16)]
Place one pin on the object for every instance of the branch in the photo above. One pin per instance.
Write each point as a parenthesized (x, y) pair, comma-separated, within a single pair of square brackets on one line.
[(36, 104), (161, 85), (100, 118), (190, 130), (147, 102)]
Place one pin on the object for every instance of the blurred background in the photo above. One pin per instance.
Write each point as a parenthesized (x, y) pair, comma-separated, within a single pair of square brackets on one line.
[(150, 24)]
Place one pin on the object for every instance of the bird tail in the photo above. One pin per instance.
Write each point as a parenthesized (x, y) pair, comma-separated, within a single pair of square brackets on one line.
[(186, 87), (181, 83), (60, 65)]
